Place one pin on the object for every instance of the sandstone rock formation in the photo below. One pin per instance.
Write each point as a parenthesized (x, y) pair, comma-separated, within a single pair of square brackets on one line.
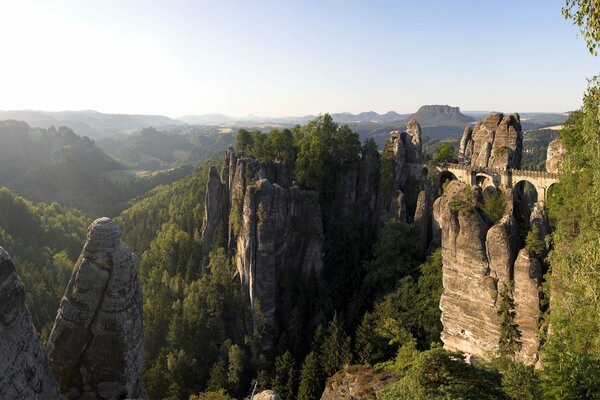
[(357, 382), (468, 303), (495, 142), (555, 155), (24, 369), (281, 231), (216, 208), (266, 395), (96, 344), (481, 260), (526, 295)]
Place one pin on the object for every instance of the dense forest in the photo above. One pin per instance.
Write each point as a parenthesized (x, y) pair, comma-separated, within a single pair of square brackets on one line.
[(372, 313)]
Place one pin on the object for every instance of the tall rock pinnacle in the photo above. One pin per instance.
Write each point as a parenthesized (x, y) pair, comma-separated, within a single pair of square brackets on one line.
[(24, 369), (97, 345)]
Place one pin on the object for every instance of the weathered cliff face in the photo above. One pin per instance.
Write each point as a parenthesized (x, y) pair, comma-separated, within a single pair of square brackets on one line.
[(526, 294), (481, 261), (24, 369), (495, 142), (96, 345), (216, 209), (555, 155), (282, 231), (357, 383), (468, 303)]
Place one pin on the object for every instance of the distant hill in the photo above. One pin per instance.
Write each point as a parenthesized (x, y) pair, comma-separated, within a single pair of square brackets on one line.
[(57, 165), (440, 115), (90, 123)]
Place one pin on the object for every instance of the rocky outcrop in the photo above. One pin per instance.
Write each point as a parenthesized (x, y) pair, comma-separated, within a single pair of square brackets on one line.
[(216, 208), (481, 261), (357, 382), (266, 395), (526, 296), (412, 142), (501, 246), (495, 142), (24, 369), (96, 345), (422, 221), (468, 303), (555, 155), (281, 231)]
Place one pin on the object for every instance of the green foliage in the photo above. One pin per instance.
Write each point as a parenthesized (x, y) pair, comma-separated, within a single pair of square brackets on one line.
[(437, 374), (571, 352), (335, 349), (43, 240), (212, 395), (444, 153), (509, 342), (325, 147), (369, 346), (396, 256), (284, 380), (493, 204), (533, 243), (276, 145), (311, 379), (521, 382), (586, 15)]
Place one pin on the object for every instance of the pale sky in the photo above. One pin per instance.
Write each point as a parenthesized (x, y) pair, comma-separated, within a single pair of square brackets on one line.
[(289, 58)]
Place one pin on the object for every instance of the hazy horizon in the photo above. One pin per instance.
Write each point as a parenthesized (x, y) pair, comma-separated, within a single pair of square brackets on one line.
[(286, 60)]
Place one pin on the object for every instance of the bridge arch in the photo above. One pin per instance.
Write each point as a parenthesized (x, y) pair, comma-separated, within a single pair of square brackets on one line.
[(484, 180), (443, 177)]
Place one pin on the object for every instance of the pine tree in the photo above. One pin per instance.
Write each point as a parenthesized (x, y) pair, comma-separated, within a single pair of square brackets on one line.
[(284, 381), (311, 382), (509, 342), (366, 347), (218, 376), (335, 350)]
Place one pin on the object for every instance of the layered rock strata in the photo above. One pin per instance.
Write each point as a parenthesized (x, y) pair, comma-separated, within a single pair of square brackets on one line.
[(24, 369), (495, 142), (96, 344), (481, 260)]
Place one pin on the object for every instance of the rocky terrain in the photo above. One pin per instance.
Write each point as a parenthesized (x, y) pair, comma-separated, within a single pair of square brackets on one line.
[(96, 345), (24, 369), (356, 382), (495, 142), (483, 261)]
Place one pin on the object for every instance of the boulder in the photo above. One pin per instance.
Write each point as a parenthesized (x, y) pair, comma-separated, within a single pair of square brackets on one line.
[(97, 343), (266, 395), (24, 369)]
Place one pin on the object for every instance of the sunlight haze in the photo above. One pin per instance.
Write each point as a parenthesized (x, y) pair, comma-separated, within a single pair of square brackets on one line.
[(289, 58)]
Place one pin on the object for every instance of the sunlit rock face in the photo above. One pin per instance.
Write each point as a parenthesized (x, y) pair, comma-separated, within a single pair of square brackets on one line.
[(555, 155), (96, 344), (481, 262), (495, 142), (24, 369), (357, 382)]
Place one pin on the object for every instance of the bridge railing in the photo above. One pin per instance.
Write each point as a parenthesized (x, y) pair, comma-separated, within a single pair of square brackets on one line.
[(499, 171)]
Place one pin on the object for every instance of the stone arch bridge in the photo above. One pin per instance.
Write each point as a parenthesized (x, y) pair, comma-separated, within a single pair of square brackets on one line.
[(497, 177)]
